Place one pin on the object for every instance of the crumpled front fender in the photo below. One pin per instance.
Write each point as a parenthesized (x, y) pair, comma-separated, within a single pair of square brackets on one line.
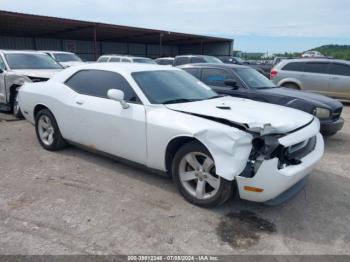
[(229, 150)]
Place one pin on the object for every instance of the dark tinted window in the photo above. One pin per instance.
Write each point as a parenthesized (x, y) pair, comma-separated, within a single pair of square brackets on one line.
[(165, 61), (340, 69), (2, 64), (294, 66), (182, 60), (317, 67), (193, 71), (98, 82), (114, 59), (215, 77), (197, 60), (125, 60)]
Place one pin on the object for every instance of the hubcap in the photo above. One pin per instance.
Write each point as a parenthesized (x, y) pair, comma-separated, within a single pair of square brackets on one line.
[(45, 130), (197, 175)]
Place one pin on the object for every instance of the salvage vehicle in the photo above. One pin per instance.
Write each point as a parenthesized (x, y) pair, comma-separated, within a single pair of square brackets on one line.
[(66, 59), (242, 81), (19, 67), (165, 61), (165, 119), (124, 59), (330, 77), (193, 59)]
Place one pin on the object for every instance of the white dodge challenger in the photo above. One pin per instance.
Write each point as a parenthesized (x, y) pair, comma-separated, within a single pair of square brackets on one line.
[(165, 119)]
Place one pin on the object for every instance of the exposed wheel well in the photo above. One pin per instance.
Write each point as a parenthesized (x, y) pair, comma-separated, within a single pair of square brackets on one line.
[(38, 108), (289, 83), (173, 147), (13, 91)]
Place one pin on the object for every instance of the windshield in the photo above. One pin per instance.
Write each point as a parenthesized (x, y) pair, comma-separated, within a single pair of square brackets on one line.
[(66, 57), (31, 61), (211, 59), (253, 79), (144, 61), (165, 87)]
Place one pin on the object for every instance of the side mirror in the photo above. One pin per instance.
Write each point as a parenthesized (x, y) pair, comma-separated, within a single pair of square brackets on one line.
[(232, 83), (117, 95)]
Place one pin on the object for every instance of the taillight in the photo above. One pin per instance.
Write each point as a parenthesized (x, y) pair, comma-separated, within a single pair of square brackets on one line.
[(273, 74)]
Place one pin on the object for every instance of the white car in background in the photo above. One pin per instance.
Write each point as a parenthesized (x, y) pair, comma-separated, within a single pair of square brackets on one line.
[(124, 59), (66, 59), (311, 54), (165, 119)]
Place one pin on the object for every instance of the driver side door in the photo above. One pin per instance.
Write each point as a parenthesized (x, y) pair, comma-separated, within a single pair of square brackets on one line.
[(100, 123)]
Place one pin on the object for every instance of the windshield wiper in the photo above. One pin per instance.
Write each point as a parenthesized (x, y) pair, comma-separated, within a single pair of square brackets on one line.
[(180, 100)]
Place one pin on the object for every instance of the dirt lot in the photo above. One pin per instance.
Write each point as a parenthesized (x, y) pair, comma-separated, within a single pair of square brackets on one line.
[(74, 202)]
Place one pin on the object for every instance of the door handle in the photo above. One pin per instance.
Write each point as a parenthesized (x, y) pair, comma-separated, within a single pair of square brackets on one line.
[(79, 102)]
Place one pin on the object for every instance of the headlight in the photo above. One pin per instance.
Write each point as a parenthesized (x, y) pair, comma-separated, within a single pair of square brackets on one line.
[(322, 112)]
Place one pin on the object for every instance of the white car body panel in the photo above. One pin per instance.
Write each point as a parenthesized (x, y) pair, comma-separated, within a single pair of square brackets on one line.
[(142, 132)]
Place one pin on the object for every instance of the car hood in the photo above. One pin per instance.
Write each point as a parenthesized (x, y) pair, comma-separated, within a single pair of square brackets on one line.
[(251, 115), (317, 100), (40, 73)]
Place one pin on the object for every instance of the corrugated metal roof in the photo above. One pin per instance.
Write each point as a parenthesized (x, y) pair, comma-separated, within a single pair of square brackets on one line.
[(27, 25)]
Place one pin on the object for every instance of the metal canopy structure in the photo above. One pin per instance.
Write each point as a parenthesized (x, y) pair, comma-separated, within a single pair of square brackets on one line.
[(34, 26)]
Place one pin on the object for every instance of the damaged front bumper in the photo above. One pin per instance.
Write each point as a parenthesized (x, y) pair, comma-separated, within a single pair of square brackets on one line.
[(271, 179)]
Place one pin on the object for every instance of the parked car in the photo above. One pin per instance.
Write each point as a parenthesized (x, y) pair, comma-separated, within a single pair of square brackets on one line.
[(19, 67), (66, 59), (310, 54), (165, 61), (192, 59), (125, 59), (330, 77), (165, 119), (245, 82), (238, 61)]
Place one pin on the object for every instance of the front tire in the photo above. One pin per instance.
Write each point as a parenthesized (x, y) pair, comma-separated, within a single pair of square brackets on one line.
[(47, 131), (193, 171), (16, 110)]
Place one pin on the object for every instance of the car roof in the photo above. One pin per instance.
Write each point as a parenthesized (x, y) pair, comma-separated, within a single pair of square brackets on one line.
[(124, 67), (56, 51), (215, 65), (193, 56), (6, 51), (165, 58), (316, 60)]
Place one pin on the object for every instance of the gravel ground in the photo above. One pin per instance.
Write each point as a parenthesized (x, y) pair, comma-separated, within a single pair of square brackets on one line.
[(75, 202)]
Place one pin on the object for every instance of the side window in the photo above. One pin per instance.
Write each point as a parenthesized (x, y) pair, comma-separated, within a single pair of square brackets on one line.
[(294, 66), (215, 77), (102, 59), (2, 64), (98, 82), (317, 67), (197, 60), (125, 60), (182, 60), (340, 69), (114, 59), (193, 71)]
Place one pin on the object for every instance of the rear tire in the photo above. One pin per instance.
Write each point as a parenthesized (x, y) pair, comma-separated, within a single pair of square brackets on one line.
[(193, 171), (47, 131), (291, 86)]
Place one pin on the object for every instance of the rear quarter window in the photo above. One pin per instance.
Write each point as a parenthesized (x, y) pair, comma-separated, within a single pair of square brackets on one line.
[(294, 66)]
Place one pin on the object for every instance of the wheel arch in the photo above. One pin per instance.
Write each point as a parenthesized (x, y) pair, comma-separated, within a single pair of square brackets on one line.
[(39, 107), (174, 145), (291, 81)]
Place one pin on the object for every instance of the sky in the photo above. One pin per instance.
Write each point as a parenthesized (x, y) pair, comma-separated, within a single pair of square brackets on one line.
[(256, 25)]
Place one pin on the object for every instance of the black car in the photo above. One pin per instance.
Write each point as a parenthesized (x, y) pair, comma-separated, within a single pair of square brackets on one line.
[(245, 82)]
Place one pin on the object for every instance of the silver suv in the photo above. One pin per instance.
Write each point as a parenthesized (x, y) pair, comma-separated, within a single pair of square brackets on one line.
[(328, 77), (19, 67)]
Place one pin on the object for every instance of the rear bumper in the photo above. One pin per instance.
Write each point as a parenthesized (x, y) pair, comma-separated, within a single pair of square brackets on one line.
[(331, 127), (274, 181)]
